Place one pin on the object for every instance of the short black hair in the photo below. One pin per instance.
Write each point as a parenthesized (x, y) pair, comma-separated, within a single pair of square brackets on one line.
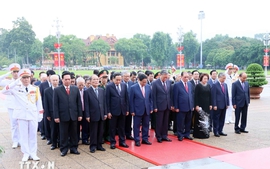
[(155, 76), (212, 71), (41, 73), (72, 75), (202, 75), (116, 74), (50, 72), (141, 76), (95, 72), (194, 71), (32, 72), (133, 73), (148, 72), (182, 73), (139, 71), (66, 73)]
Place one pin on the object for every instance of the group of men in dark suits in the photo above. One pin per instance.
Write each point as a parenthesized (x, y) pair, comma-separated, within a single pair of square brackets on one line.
[(117, 102)]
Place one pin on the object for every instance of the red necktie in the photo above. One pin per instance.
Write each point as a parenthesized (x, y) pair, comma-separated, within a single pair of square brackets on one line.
[(222, 87), (67, 89), (164, 86), (186, 86), (143, 93)]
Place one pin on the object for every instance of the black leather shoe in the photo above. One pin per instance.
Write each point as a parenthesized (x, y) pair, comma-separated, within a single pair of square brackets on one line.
[(217, 135), (92, 150), (85, 143), (53, 147), (190, 138), (74, 152), (43, 137), (159, 140), (129, 138), (237, 132), (112, 146), (123, 145), (222, 134), (166, 139), (101, 149), (243, 131), (146, 142), (49, 142), (137, 143), (180, 138), (63, 154)]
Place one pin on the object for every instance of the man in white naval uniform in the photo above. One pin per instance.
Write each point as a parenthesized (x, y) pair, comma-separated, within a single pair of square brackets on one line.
[(9, 102), (28, 111), (229, 81)]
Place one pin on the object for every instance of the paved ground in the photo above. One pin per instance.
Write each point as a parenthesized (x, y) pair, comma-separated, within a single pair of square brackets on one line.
[(258, 137)]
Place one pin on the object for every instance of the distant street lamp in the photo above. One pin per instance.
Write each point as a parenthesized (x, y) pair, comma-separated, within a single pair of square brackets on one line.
[(181, 39), (58, 35), (266, 42), (201, 16)]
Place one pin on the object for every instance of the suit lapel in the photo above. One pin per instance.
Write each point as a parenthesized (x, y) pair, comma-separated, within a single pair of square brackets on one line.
[(140, 90), (94, 93), (63, 88)]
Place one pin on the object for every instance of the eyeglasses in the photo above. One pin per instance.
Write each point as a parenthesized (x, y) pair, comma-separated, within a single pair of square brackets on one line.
[(15, 71)]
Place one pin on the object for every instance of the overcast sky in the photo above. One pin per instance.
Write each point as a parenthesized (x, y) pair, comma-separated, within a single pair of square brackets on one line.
[(124, 18)]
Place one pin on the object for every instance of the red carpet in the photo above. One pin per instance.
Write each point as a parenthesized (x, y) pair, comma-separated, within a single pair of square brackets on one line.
[(171, 152)]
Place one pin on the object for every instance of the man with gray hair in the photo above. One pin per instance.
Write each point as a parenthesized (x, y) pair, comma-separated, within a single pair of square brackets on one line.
[(84, 125), (129, 83), (220, 102), (161, 92)]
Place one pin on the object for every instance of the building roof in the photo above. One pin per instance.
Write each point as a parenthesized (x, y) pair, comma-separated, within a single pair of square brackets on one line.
[(111, 40)]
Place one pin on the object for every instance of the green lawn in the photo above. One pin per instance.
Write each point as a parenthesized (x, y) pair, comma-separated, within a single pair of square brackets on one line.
[(90, 72)]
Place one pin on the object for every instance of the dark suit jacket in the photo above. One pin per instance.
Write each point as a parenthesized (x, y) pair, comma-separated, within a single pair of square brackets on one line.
[(48, 102), (67, 107), (219, 99), (42, 87), (138, 103), (37, 83), (240, 97), (210, 82), (117, 104), (183, 100), (95, 107), (161, 98)]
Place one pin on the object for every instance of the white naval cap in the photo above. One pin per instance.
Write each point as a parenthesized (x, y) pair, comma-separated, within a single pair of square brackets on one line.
[(24, 73), (14, 67)]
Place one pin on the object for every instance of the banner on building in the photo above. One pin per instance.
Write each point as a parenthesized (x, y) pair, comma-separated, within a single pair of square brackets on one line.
[(62, 59), (180, 60)]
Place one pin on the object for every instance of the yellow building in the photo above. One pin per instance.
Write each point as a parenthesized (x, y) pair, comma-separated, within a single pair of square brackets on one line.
[(113, 58)]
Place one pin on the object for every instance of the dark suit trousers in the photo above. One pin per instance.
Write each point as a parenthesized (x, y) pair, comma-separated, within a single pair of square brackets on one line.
[(106, 132), (41, 126), (96, 133), (153, 120), (85, 130), (47, 127), (183, 123), (162, 118), (218, 120), (54, 132), (145, 126), (240, 111), (117, 122), (68, 129), (128, 125)]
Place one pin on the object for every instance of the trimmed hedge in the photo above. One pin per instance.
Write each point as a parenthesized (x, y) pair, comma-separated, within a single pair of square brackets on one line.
[(255, 75)]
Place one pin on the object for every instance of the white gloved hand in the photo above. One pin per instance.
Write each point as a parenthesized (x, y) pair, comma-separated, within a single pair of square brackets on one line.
[(40, 117)]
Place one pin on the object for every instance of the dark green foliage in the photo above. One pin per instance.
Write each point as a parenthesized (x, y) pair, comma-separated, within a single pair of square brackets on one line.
[(255, 75)]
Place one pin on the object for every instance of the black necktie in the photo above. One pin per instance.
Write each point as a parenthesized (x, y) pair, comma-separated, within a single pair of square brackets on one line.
[(118, 89), (26, 89)]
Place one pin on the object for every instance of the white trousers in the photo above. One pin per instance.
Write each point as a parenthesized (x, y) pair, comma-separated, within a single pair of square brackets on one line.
[(28, 136), (15, 136), (229, 111)]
